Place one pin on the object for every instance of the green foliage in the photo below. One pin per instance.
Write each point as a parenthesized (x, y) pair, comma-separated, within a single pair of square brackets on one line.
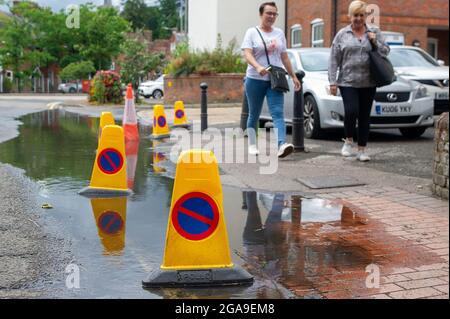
[(161, 20), (77, 71), (106, 88), (7, 85), (137, 62), (220, 60)]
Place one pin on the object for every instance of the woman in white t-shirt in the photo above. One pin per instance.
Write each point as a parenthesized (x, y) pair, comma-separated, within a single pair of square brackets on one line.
[(257, 82)]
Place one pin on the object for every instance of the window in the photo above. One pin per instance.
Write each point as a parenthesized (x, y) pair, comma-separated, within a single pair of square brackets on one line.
[(317, 33), (296, 36), (433, 47), (293, 61)]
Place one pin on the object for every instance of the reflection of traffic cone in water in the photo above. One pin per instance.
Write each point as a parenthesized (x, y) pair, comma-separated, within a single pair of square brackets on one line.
[(160, 126), (180, 118), (131, 151), (158, 157), (110, 217), (129, 117), (105, 119), (109, 175), (197, 251)]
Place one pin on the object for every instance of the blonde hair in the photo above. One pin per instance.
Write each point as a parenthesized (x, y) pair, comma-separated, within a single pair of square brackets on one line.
[(357, 6)]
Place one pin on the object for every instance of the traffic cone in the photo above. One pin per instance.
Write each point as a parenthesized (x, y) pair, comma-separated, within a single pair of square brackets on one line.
[(160, 126), (109, 175), (105, 119), (129, 122), (131, 151), (180, 118), (110, 217), (197, 251)]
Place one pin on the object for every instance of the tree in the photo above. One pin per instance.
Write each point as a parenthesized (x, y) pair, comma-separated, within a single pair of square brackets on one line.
[(137, 62), (77, 71), (135, 12), (170, 17)]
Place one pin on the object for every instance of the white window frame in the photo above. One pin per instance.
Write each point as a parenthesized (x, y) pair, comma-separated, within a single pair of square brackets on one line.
[(314, 25), (435, 42), (296, 28)]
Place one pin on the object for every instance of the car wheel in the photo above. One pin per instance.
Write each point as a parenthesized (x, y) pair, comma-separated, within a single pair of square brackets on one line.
[(157, 94), (147, 96), (312, 118), (413, 132), (72, 90)]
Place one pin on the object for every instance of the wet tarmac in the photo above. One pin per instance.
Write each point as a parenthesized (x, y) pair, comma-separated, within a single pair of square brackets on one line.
[(293, 246)]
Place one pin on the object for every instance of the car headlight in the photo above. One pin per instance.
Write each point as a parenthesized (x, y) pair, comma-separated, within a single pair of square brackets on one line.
[(421, 92)]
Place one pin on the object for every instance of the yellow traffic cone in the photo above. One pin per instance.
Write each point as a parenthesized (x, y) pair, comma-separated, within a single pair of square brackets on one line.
[(105, 119), (109, 175), (197, 251), (160, 125), (180, 118)]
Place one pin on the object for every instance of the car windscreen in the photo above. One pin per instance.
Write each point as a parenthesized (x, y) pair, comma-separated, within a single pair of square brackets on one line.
[(410, 58), (315, 61)]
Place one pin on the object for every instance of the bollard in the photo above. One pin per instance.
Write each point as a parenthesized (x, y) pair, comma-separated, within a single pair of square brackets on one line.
[(298, 130), (244, 111), (204, 107)]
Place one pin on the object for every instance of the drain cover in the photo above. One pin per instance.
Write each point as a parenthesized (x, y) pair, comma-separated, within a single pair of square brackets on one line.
[(320, 182)]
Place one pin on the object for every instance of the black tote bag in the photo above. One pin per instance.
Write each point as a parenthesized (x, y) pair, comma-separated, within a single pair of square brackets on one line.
[(278, 81), (381, 68)]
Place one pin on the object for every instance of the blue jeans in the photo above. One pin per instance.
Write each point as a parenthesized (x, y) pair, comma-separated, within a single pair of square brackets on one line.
[(256, 91)]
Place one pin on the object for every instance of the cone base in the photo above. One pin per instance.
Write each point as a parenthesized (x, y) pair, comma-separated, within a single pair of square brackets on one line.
[(159, 137), (92, 192), (187, 125), (220, 277)]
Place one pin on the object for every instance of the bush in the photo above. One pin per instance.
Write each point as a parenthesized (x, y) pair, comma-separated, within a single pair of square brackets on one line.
[(186, 62), (106, 88), (7, 85)]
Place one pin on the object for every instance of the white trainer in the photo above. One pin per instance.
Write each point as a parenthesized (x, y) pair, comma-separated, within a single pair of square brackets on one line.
[(347, 149), (253, 150), (362, 157), (285, 150)]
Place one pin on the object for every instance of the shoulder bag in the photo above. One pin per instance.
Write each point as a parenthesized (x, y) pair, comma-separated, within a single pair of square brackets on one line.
[(278, 79), (381, 68)]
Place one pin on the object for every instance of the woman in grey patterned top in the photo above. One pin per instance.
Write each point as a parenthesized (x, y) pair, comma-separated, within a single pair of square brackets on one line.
[(349, 69)]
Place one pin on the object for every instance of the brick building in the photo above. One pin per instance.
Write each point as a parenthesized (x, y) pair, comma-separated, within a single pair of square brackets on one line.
[(424, 23)]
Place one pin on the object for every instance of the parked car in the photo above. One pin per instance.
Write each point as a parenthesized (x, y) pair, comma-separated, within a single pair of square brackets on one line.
[(415, 64), (70, 88), (153, 89), (404, 104)]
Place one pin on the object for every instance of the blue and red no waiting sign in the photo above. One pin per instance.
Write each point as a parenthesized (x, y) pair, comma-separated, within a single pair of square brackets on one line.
[(110, 161), (195, 216), (110, 222)]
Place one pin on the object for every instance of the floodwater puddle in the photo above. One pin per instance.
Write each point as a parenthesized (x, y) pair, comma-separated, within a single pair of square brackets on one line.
[(289, 243)]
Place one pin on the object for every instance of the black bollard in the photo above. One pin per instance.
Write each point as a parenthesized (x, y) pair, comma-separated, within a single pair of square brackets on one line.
[(204, 107), (244, 111), (298, 133)]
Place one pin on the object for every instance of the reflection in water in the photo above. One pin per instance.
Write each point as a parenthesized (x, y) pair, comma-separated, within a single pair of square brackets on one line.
[(158, 158), (131, 152), (289, 246), (110, 216)]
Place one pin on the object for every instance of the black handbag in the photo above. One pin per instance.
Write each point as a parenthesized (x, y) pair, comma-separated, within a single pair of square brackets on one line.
[(278, 78), (381, 68)]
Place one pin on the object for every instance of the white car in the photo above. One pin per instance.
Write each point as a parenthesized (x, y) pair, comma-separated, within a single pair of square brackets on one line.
[(404, 104), (70, 88), (415, 64), (153, 89)]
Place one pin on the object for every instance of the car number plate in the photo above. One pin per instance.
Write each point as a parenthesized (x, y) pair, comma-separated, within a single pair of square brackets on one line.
[(389, 109), (441, 96)]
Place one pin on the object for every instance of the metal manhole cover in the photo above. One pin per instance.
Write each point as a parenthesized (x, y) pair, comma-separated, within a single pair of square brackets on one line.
[(321, 182)]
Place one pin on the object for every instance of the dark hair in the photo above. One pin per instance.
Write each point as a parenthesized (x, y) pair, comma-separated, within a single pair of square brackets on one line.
[(263, 6)]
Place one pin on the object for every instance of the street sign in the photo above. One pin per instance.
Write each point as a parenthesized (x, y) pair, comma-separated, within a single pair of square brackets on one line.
[(195, 216), (110, 161), (110, 222)]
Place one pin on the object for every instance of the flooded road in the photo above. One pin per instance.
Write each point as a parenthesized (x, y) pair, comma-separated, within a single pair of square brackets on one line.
[(292, 245)]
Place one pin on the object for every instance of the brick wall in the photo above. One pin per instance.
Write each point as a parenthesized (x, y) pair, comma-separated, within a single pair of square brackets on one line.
[(414, 18), (440, 167), (222, 88)]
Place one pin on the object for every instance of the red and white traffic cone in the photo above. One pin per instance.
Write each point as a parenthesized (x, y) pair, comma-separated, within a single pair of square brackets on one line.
[(129, 122)]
